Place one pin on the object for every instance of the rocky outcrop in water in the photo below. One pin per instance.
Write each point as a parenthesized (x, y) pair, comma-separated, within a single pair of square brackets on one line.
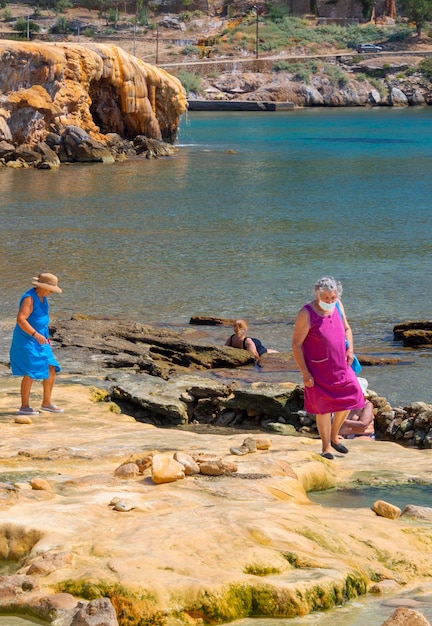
[(74, 102), (414, 333)]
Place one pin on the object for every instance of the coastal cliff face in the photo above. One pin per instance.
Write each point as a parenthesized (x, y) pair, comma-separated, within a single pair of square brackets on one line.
[(99, 88)]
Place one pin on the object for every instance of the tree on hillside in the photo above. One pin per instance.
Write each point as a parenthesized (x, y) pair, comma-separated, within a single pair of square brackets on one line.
[(418, 11)]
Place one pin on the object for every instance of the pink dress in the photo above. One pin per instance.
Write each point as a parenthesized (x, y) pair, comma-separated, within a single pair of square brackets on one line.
[(336, 387)]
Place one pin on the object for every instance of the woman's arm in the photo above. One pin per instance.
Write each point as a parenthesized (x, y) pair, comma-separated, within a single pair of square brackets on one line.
[(24, 313), (250, 345), (301, 329), (348, 335)]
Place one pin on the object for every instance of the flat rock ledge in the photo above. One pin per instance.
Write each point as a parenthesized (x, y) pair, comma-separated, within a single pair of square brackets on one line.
[(152, 374), (108, 521)]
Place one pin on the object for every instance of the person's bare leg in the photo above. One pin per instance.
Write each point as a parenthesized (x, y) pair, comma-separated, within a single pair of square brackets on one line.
[(48, 386), (26, 385), (324, 426), (338, 419)]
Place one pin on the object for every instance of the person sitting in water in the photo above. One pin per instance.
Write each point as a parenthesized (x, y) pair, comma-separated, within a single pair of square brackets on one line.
[(240, 340)]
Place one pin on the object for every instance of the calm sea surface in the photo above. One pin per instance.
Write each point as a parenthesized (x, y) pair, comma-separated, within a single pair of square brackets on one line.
[(240, 223)]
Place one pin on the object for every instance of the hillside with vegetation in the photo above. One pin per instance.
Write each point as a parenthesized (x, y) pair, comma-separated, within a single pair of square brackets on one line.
[(308, 60)]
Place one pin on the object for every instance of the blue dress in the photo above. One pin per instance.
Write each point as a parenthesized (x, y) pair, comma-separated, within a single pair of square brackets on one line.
[(27, 356)]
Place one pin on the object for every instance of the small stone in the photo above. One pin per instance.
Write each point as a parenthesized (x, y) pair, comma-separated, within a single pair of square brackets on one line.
[(39, 484), (22, 419), (166, 469), (190, 466), (385, 509), (123, 506), (240, 451), (384, 586), (128, 470), (263, 444), (250, 444)]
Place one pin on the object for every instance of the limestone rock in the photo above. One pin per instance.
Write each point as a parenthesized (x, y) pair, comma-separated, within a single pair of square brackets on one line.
[(22, 419), (49, 562), (39, 484), (209, 320), (263, 444), (418, 512), (385, 509), (166, 470), (77, 146), (98, 88), (123, 505), (99, 612), (127, 470), (190, 466), (398, 98), (406, 617)]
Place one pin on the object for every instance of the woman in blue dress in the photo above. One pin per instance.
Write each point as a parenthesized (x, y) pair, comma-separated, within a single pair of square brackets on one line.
[(31, 355)]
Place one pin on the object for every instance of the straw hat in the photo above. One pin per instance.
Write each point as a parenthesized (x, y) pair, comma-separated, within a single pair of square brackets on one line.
[(46, 281)]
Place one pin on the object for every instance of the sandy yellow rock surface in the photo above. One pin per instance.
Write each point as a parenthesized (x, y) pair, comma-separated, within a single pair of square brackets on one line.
[(203, 545)]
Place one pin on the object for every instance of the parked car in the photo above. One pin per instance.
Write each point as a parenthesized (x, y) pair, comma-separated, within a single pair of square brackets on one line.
[(368, 47)]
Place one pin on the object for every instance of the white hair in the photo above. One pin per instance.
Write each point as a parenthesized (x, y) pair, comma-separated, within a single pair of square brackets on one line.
[(328, 283)]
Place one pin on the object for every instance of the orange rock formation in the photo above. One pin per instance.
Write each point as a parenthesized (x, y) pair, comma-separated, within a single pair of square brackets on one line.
[(97, 87)]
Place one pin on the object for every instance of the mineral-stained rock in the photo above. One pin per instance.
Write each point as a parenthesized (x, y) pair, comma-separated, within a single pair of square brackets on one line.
[(190, 466), (166, 470), (385, 509), (99, 612), (40, 484), (127, 470), (418, 512), (98, 88), (406, 617)]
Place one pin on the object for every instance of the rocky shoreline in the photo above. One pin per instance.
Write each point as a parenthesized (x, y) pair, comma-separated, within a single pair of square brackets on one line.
[(116, 512), (159, 377)]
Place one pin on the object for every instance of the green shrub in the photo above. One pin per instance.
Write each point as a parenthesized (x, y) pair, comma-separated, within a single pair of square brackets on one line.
[(185, 16), (62, 5), (61, 27), (22, 26), (88, 32), (189, 49), (425, 67), (336, 75), (191, 82), (7, 15)]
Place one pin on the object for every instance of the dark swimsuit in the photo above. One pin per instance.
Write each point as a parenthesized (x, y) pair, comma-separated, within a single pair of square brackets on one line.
[(258, 345)]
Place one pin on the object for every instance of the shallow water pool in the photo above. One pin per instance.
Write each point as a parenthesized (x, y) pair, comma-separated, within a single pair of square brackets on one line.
[(364, 497)]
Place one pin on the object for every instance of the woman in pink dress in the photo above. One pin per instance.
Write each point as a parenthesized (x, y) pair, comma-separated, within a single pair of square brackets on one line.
[(324, 359)]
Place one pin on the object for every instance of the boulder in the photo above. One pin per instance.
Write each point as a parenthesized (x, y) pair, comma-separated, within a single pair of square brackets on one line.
[(398, 98), (406, 617)]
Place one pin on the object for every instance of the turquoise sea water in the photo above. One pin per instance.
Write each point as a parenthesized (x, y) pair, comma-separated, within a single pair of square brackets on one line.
[(240, 223)]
